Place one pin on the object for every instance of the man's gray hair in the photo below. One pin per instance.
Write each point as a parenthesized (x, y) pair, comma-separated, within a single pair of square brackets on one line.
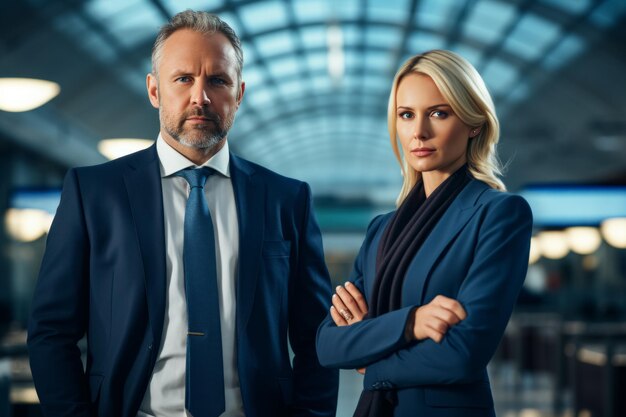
[(202, 22)]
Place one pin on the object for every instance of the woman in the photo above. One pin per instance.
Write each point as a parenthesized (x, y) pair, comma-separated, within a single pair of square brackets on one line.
[(435, 281)]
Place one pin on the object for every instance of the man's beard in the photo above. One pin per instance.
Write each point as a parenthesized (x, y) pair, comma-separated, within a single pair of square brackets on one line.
[(197, 136)]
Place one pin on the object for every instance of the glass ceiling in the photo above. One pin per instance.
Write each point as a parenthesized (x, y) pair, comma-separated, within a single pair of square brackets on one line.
[(318, 72)]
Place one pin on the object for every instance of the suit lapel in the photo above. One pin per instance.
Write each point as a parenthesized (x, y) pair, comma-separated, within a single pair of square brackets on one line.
[(250, 202), (143, 184), (450, 224)]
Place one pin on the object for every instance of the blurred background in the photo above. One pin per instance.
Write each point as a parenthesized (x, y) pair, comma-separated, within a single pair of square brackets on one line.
[(318, 75)]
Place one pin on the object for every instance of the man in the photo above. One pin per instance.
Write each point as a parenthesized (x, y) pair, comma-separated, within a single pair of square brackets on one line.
[(187, 280)]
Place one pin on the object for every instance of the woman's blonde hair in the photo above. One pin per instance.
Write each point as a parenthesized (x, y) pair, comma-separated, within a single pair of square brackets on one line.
[(464, 89)]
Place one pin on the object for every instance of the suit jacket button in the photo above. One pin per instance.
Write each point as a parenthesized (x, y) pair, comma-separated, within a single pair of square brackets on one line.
[(150, 346)]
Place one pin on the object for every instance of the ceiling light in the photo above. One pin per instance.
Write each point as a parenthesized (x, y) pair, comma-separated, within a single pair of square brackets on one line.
[(24, 94), (553, 244), (336, 58), (583, 240), (614, 232), (27, 225), (115, 148)]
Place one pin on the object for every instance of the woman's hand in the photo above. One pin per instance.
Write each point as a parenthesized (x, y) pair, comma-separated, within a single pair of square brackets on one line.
[(349, 305), (434, 319)]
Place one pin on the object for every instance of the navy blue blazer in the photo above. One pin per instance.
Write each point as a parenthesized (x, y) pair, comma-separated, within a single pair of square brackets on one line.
[(476, 254), (103, 274)]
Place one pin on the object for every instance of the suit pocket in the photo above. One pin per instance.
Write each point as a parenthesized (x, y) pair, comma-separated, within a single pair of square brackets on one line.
[(460, 395), (95, 384), (276, 248)]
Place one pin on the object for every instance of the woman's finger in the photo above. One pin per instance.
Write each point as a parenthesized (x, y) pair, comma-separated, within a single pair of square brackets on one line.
[(342, 309), (452, 305), (356, 294), (339, 321), (349, 301), (446, 315)]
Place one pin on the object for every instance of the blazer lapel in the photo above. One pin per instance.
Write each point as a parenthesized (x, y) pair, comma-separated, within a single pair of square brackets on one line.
[(369, 270), (450, 224), (250, 202), (143, 184)]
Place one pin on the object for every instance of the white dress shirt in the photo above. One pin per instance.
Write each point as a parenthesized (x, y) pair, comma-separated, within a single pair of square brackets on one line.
[(165, 396)]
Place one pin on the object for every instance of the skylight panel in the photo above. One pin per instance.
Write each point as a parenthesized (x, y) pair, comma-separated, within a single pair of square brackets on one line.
[(499, 76), (249, 57), (608, 13), (571, 46), (105, 9), (531, 36), (382, 36), (280, 68), (313, 36), (352, 34), (253, 76), (392, 11), (76, 28), (275, 43), (378, 61), (473, 55), (321, 84), (423, 41), (307, 11), (261, 97), (570, 6), (437, 14), (487, 20), (375, 84), (317, 61), (232, 21), (138, 22), (345, 10), (263, 16), (291, 88), (175, 6)]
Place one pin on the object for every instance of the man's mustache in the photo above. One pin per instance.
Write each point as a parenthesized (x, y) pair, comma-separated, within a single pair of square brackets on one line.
[(209, 115)]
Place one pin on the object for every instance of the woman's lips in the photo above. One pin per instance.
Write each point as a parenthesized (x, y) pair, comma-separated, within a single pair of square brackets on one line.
[(422, 151)]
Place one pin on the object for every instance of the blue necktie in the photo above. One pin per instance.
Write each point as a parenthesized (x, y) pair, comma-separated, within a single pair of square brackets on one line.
[(204, 390)]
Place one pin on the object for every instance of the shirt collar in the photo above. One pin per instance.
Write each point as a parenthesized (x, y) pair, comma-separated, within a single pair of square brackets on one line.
[(172, 161)]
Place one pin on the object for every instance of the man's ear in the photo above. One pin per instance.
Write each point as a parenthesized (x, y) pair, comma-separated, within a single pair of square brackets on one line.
[(153, 90), (242, 88)]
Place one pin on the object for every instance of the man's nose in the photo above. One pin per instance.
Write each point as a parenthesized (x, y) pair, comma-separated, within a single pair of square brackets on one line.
[(199, 95)]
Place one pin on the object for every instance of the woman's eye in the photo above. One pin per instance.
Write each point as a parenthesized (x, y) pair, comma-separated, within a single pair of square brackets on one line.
[(439, 114), (405, 115)]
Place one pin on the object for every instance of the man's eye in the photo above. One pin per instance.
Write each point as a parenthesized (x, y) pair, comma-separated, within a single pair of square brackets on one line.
[(183, 79), (217, 81)]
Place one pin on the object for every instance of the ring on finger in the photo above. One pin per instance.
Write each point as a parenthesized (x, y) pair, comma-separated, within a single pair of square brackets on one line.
[(346, 314)]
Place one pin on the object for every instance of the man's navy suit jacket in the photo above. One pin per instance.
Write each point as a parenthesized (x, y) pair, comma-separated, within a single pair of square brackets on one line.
[(103, 275), (477, 254)]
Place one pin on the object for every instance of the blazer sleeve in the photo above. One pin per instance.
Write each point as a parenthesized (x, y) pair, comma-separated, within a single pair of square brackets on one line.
[(315, 388), (60, 311), (361, 343), (488, 294)]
